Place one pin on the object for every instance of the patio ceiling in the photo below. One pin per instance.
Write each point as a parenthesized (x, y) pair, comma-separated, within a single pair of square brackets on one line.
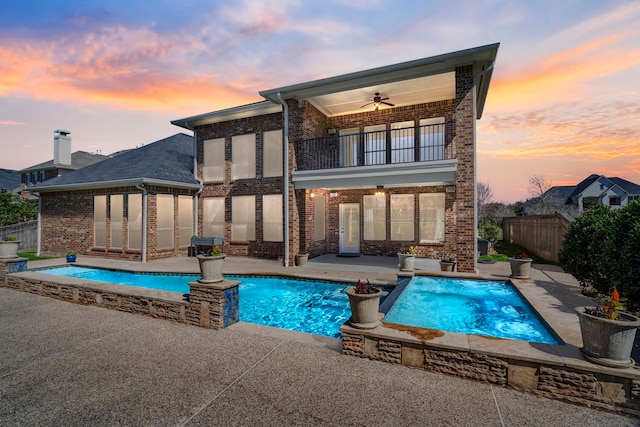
[(400, 93)]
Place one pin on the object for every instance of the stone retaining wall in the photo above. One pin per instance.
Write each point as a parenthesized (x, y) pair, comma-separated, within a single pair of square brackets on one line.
[(602, 388), (213, 306)]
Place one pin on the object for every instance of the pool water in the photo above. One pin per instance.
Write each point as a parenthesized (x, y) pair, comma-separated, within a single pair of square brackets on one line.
[(466, 306), (307, 306)]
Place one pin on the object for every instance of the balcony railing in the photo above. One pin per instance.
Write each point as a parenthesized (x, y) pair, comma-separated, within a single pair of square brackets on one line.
[(405, 145)]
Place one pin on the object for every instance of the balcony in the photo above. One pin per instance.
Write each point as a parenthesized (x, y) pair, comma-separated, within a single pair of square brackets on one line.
[(420, 155)]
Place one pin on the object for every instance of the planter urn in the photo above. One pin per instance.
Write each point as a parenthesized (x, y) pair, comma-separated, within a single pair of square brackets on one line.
[(9, 249), (520, 267), (608, 342), (71, 258), (364, 308), (406, 261), (447, 266), (301, 259), (211, 268)]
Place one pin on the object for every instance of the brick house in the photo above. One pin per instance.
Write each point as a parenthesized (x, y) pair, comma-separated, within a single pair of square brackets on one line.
[(137, 205), (374, 162)]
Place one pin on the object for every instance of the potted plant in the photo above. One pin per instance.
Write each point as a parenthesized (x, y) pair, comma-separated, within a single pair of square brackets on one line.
[(71, 256), (211, 264), (520, 266), (608, 333), (364, 301), (407, 259), (9, 247), (301, 259), (447, 264)]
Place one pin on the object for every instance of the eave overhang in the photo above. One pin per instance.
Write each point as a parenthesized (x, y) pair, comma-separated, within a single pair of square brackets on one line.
[(435, 172), (115, 183), (241, 112)]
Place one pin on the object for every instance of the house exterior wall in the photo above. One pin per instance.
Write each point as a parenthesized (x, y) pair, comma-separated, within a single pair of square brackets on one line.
[(229, 188), (307, 122), (67, 223)]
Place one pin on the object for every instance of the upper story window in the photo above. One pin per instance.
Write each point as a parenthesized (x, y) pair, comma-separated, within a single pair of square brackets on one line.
[(375, 145), (432, 139), (243, 156), (272, 153), (402, 142), (213, 162)]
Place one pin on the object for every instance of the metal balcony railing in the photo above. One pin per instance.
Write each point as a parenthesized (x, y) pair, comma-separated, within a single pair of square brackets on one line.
[(404, 145)]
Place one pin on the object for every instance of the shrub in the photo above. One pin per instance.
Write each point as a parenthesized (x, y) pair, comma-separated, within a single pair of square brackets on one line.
[(602, 249)]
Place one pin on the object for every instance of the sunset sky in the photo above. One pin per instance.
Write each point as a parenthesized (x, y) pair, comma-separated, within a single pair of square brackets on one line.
[(564, 101)]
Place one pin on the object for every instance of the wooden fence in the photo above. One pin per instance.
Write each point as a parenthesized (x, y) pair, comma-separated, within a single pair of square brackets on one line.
[(538, 234), (25, 232)]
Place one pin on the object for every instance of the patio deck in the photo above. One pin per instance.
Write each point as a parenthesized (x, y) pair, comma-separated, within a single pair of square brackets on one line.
[(554, 292)]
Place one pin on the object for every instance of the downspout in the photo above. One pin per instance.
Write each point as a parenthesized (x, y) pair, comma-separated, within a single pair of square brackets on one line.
[(475, 168), (285, 134), (195, 176), (39, 229), (142, 188)]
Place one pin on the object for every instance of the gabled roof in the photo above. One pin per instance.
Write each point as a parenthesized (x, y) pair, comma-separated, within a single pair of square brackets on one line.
[(629, 187), (79, 159), (584, 184), (558, 195), (167, 162), (419, 80), (9, 179)]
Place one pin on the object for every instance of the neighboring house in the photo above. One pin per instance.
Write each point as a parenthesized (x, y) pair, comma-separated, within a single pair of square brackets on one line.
[(592, 191), (137, 205), (10, 180), (64, 161), (375, 161)]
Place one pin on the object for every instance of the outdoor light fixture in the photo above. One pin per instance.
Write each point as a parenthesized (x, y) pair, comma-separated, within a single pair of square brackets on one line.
[(333, 194), (312, 195), (379, 190)]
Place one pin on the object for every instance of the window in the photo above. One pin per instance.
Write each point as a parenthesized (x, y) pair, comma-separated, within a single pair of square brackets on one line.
[(632, 198), (375, 145), (432, 208), (117, 220), (432, 139), (319, 217), (243, 218), (402, 142), (134, 220), (164, 219), (375, 217), (100, 221), (615, 200), (213, 164), (243, 156), (185, 220), (213, 217), (272, 153), (349, 141), (402, 217), (272, 224), (589, 202)]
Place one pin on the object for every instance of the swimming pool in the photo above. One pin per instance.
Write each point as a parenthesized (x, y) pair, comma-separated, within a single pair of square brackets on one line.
[(478, 307), (314, 307)]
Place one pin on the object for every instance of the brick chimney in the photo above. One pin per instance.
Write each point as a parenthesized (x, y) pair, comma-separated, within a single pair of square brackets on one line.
[(62, 147)]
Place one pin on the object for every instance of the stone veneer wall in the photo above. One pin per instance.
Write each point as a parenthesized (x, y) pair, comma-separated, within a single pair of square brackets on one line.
[(616, 393), (213, 306)]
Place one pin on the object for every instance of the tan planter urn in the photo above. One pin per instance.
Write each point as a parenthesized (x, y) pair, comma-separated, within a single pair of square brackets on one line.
[(211, 268), (520, 267), (302, 259), (608, 342), (406, 261), (364, 308), (9, 249), (447, 265)]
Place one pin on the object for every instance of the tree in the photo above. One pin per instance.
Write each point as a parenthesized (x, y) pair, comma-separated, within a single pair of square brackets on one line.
[(14, 209), (538, 186)]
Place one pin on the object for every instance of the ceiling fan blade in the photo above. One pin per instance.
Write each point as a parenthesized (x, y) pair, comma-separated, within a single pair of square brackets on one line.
[(369, 103), (384, 99), (387, 103)]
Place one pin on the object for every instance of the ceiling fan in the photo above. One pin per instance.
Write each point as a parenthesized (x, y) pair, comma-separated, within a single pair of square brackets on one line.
[(377, 101)]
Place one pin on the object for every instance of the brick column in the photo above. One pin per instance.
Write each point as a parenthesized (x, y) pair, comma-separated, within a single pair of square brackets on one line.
[(216, 303)]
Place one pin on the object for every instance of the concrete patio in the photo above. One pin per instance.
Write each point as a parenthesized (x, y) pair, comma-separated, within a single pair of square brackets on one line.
[(69, 364)]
